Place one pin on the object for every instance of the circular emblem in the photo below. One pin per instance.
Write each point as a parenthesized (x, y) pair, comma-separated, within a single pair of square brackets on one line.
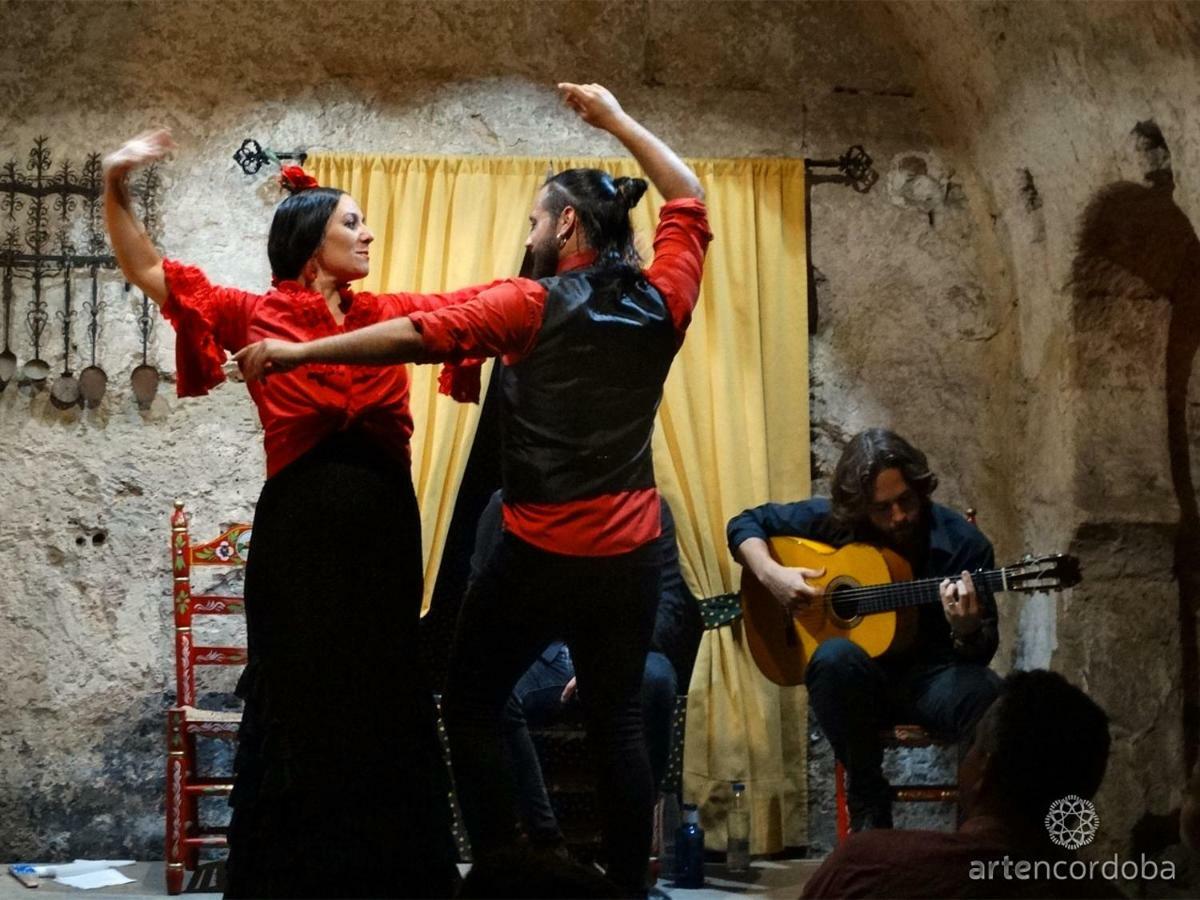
[(1072, 822)]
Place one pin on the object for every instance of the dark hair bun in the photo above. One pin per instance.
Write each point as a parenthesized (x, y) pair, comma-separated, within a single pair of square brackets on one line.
[(630, 190)]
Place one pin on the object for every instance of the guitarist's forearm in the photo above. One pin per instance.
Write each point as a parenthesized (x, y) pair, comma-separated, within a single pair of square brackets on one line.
[(755, 555)]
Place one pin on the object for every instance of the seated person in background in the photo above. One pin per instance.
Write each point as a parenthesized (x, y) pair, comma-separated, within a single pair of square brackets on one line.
[(1040, 741), (546, 692), (881, 496)]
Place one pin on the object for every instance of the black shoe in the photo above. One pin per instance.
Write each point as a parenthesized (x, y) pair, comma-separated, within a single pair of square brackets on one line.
[(877, 816)]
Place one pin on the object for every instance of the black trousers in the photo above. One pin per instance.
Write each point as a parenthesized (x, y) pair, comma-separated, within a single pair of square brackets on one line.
[(603, 607), (854, 696)]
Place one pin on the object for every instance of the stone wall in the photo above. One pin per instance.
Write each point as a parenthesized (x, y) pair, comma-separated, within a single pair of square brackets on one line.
[(1044, 101), (943, 310)]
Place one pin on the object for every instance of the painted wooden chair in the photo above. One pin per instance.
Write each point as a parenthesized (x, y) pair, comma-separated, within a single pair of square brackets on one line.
[(186, 722)]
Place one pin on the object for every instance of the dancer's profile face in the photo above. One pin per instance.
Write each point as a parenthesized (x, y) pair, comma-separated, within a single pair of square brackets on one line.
[(542, 242), (344, 250)]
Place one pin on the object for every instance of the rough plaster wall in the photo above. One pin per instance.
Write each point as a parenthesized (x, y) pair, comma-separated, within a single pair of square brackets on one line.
[(1041, 99), (909, 329)]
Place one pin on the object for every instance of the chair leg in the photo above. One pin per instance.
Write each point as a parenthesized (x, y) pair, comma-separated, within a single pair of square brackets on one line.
[(843, 808), (190, 804), (176, 743)]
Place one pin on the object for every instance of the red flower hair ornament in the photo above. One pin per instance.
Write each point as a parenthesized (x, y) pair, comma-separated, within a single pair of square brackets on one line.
[(294, 179)]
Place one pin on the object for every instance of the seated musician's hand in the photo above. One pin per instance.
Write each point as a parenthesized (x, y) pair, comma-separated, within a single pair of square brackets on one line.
[(960, 602), (268, 357), (792, 588)]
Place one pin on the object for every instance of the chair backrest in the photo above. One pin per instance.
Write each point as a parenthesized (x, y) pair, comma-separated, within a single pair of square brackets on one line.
[(229, 549)]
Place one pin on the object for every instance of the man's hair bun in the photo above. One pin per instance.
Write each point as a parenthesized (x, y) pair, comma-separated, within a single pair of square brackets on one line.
[(630, 190)]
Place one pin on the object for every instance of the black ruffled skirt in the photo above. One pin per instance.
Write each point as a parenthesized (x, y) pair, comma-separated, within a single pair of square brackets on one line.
[(340, 787)]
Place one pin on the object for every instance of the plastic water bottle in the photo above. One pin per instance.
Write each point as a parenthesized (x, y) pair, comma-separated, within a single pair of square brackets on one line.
[(689, 850), (737, 825)]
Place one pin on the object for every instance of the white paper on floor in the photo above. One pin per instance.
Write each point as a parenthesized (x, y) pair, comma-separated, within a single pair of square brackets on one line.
[(96, 879)]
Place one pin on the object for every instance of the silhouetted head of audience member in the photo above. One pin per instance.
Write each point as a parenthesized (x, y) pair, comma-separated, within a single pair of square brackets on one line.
[(1042, 740)]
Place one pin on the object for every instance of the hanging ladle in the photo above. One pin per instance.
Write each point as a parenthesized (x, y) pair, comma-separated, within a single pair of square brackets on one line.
[(93, 380), (64, 392), (8, 359), (144, 378), (37, 369)]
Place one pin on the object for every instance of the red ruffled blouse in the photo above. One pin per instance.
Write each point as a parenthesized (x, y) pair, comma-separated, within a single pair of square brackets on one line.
[(298, 409)]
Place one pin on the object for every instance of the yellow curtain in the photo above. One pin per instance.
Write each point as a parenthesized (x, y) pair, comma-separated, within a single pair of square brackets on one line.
[(439, 224), (732, 430), (733, 433)]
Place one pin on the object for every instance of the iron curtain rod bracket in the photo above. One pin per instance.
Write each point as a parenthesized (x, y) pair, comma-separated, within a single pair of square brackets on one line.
[(855, 166), (252, 156)]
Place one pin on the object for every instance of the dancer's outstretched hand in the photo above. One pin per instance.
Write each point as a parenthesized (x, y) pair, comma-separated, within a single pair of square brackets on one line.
[(268, 357), (148, 147), (594, 102)]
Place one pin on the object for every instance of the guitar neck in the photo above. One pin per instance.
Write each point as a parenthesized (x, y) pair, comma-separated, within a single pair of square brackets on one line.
[(905, 594)]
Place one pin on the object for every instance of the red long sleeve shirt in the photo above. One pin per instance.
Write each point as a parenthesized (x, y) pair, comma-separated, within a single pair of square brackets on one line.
[(298, 409), (504, 320)]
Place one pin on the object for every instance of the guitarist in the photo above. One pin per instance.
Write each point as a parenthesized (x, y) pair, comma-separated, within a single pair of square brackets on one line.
[(881, 495)]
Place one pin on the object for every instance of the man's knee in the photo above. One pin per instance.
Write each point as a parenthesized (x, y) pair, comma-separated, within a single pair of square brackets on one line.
[(980, 688), (838, 659), (659, 683), (960, 697)]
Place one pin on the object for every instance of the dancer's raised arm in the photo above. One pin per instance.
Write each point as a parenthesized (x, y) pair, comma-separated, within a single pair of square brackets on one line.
[(596, 105), (140, 262)]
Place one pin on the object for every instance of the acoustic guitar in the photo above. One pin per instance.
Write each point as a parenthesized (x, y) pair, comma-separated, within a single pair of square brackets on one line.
[(870, 599)]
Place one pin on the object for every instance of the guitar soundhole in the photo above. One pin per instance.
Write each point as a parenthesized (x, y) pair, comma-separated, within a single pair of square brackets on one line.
[(844, 607)]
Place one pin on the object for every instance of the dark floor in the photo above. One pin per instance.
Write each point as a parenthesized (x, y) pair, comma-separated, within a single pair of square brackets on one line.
[(767, 879)]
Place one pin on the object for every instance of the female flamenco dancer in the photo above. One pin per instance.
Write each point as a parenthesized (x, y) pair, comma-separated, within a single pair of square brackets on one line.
[(340, 789)]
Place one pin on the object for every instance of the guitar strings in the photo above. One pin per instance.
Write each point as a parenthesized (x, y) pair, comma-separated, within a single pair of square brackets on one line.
[(897, 594)]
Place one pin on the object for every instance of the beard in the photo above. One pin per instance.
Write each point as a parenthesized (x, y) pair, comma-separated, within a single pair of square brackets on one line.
[(906, 539), (543, 259), (903, 538)]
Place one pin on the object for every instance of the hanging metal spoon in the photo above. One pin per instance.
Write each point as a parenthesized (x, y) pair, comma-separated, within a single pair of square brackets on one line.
[(93, 380), (144, 378), (37, 369), (64, 392), (8, 359)]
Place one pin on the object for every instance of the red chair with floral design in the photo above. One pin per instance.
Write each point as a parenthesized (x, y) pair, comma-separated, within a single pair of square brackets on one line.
[(186, 721)]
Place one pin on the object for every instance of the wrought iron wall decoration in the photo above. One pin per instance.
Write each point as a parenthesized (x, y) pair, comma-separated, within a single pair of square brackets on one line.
[(855, 166), (53, 231), (252, 156)]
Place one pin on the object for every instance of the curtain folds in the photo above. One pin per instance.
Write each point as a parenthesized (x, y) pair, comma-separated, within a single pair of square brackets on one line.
[(732, 430)]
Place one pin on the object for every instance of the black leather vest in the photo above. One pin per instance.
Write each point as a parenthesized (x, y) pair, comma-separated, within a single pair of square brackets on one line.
[(579, 409)]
